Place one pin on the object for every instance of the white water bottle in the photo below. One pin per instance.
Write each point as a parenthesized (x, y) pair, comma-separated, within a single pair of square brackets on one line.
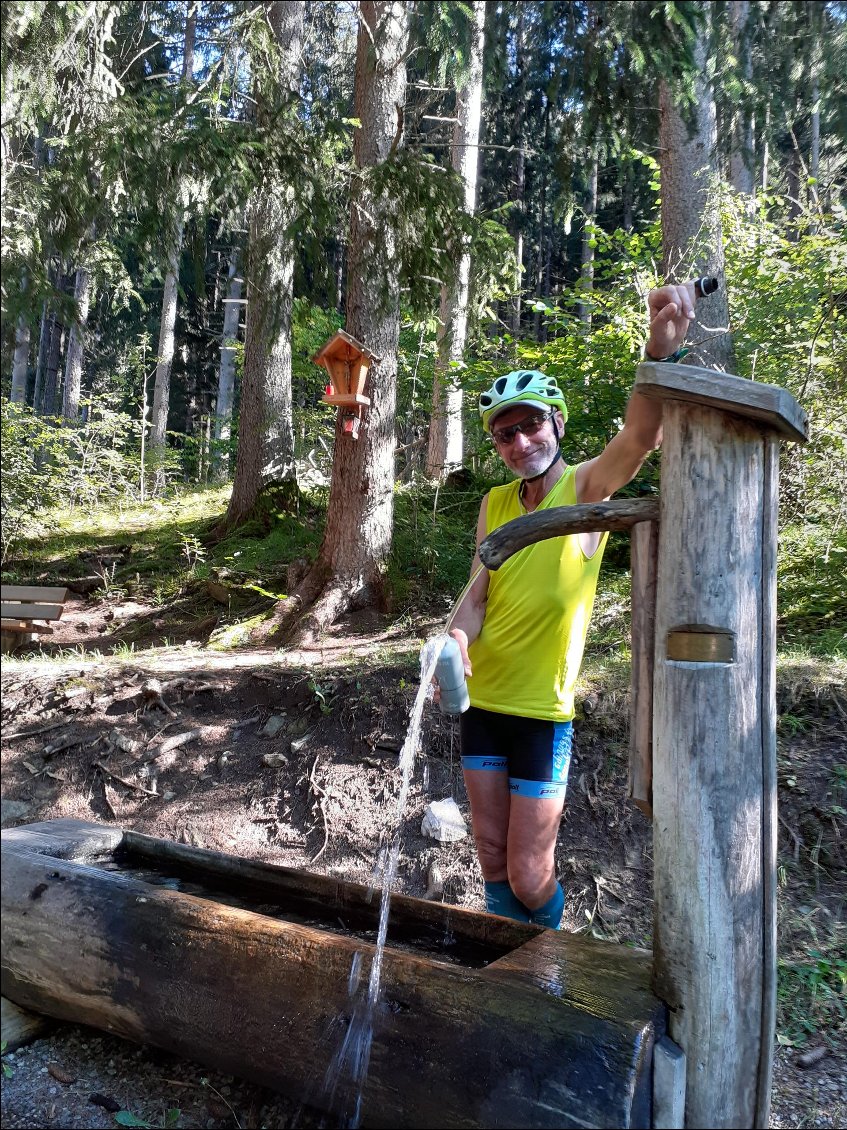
[(450, 673)]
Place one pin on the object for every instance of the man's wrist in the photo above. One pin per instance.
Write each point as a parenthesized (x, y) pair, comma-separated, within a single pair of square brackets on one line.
[(672, 358)]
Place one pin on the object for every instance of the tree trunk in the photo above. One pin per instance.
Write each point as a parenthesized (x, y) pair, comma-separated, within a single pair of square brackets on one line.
[(519, 186), (766, 150), (265, 457), (20, 363), (226, 373), (742, 174), (586, 272), (165, 356), (445, 449), (357, 540), (51, 368), (692, 242), (628, 203), (542, 272), (76, 346), (815, 14), (44, 334), (794, 177)]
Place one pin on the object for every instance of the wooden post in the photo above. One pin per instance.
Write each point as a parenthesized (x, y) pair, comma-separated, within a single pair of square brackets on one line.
[(644, 546), (714, 750)]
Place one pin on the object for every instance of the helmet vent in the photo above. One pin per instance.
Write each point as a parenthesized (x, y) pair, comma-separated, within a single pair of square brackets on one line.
[(523, 381), (499, 386), (485, 400)]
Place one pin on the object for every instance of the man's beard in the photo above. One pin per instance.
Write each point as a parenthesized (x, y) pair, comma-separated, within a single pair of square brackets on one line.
[(540, 462)]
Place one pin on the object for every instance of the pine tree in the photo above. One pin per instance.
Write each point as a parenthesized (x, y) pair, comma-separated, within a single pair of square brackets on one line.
[(692, 240), (349, 571), (444, 453), (265, 457), (165, 354)]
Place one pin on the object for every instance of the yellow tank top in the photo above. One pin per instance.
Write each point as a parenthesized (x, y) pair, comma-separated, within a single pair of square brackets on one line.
[(527, 657)]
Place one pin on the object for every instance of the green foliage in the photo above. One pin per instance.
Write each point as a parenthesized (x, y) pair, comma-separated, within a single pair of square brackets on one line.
[(169, 1120), (811, 596), (812, 984), (786, 286), (84, 465), (433, 543)]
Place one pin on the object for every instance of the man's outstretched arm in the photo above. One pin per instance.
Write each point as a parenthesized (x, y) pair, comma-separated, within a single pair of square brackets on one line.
[(671, 310)]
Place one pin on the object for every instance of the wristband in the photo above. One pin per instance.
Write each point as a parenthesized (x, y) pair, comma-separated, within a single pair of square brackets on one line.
[(672, 360)]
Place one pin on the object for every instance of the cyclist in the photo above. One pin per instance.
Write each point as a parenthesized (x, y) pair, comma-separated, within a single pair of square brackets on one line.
[(522, 628)]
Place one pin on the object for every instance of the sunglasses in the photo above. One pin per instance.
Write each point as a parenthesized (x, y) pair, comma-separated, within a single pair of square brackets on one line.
[(529, 427)]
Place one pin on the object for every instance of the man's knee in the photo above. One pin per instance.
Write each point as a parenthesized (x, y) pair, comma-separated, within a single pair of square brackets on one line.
[(491, 851), (532, 879)]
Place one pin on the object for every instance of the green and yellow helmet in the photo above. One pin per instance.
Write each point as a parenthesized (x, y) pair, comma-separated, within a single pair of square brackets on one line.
[(523, 386)]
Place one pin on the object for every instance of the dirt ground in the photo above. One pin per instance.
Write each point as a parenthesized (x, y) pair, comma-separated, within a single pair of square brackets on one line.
[(294, 761)]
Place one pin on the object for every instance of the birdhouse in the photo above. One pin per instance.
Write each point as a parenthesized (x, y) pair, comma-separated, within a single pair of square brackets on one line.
[(347, 362)]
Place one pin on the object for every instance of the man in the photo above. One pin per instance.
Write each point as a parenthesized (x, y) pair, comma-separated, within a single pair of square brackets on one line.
[(522, 629)]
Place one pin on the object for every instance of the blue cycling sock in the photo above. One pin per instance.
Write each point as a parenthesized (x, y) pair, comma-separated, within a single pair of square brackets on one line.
[(550, 914), (501, 899)]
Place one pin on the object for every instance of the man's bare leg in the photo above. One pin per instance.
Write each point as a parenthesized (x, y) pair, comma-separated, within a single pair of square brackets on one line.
[(530, 849)]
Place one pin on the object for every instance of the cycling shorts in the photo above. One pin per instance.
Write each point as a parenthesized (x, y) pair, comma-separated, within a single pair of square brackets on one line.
[(535, 752)]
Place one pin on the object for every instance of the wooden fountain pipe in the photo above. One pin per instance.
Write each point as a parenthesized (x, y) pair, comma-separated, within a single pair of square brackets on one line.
[(559, 521)]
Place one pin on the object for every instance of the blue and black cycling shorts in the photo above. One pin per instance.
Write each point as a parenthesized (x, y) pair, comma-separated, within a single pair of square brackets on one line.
[(534, 752)]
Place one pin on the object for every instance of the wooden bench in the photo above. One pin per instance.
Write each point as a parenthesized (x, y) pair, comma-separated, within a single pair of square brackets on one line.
[(22, 607)]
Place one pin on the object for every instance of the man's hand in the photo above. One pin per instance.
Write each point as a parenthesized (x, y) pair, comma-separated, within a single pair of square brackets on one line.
[(671, 311)]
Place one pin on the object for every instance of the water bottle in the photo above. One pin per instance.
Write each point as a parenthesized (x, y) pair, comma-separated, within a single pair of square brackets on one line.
[(450, 673)]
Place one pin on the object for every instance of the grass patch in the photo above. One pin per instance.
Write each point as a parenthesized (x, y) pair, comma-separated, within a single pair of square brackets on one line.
[(434, 541), (427, 569), (168, 547), (812, 977)]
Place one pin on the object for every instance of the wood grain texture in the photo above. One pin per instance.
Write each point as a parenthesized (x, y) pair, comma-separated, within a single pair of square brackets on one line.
[(707, 762), (558, 1031), (770, 515), (30, 611), (559, 521), (20, 1027), (33, 592), (768, 404), (668, 1086), (644, 547)]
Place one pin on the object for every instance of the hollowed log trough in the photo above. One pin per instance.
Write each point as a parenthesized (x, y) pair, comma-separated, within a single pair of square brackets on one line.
[(246, 967)]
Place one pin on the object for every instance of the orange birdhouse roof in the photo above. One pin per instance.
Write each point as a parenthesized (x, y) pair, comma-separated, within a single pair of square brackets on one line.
[(342, 347)]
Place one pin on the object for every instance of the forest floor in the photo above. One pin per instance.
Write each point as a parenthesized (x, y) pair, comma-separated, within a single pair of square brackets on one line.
[(296, 763)]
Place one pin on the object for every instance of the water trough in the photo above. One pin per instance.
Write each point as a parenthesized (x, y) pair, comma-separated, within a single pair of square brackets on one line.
[(246, 967)]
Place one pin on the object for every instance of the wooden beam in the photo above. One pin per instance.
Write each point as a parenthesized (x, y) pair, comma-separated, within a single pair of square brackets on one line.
[(770, 515), (560, 521), (644, 548), (25, 626), (668, 1086), (708, 741), (20, 1027), (33, 592), (767, 404), (30, 611)]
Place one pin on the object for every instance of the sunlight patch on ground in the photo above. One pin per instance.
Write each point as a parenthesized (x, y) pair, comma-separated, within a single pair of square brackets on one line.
[(168, 660)]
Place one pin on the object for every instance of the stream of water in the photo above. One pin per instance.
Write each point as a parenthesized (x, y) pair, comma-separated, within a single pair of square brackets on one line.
[(349, 1067)]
